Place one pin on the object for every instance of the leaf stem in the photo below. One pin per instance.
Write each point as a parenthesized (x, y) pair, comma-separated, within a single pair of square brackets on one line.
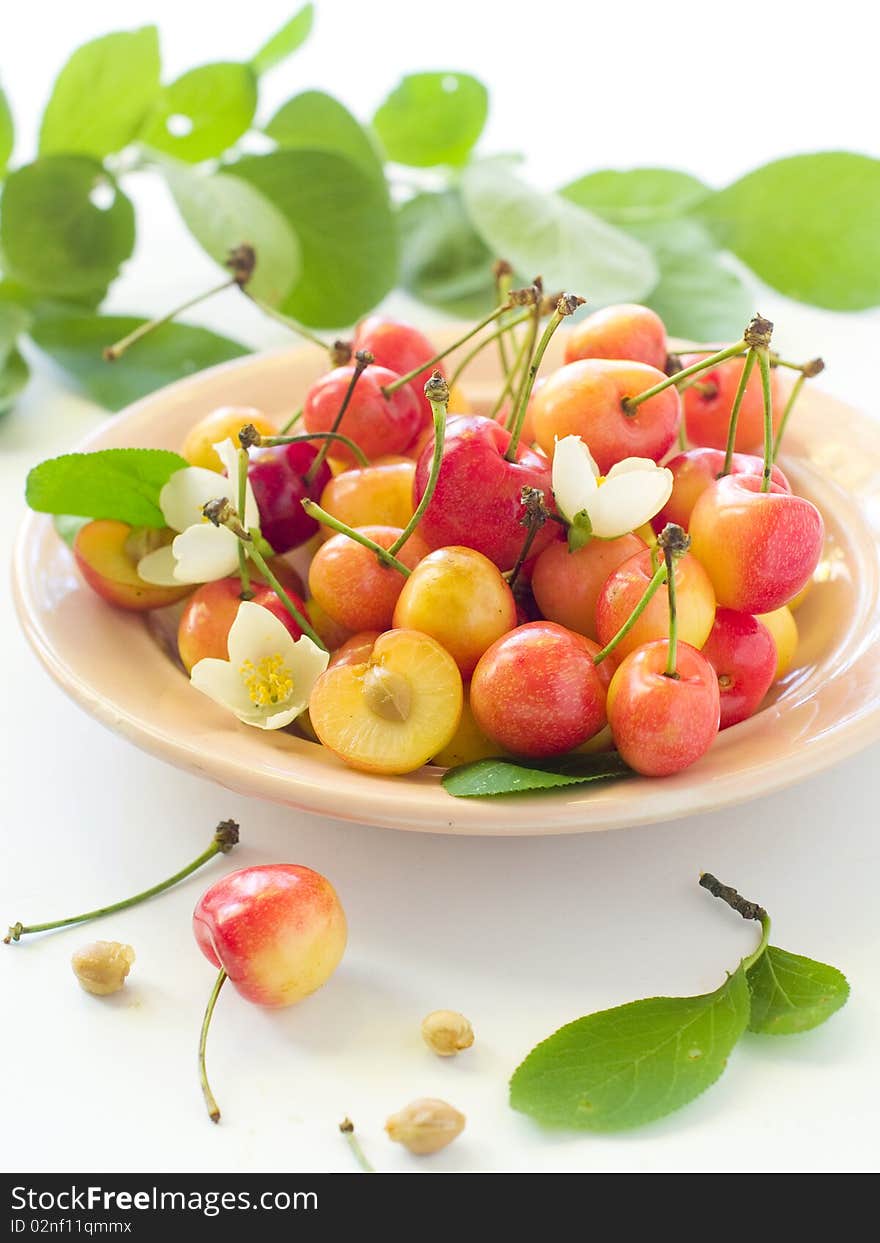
[(631, 404), (210, 1101), (657, 579), (789, 406), (263, 566), (432, 362), (743, 907), (346, 1126), (115, 351), (314, 510), (748, 365), (225, 837), (437, 393), (362, 360)]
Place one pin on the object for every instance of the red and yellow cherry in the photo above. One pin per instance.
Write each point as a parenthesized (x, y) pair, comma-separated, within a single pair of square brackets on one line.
[(586, 399), (696, 470), (356, 650), (468, 744), (709, 401), (627, 331), (278, 478), (566, 585), (353, 586), (478, 497), (538, 692), (206, 620), (393, 712), (375, 422), (222, 424), (401, 348), (461, 599), (662, 724), (783, 628), (107, 554), (758, 548), (743, 654), (377, 495), (624, 589)]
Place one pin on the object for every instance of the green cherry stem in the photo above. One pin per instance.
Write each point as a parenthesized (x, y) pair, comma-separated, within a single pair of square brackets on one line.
[(503, 274), (225, 837), (742, 906), (437, 393), (270, 442), (789, 406), (518, 367), (657, 579), (631, 404), (113, 352), (764, 363), (566, 305), (521, 377), (262, 565), (733, 421), (280, 318), (314, 510), (399, 382), (346, 1126), (671, 669), (292, 421), (362, 360), (243, 570), (498, 335), (210, 1100)]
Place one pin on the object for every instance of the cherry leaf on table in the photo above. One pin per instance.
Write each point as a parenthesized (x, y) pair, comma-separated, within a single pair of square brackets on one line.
[(500, 776), (65, 228), (793, 994), (345, 227), (285, 41), (432, 118), (572, 248), (624, 1067), (221, 212), (316, 121), (102, 94), (204, 112), (75, 343), (807, 225), (443, 260), (7, 132), (122, 484)]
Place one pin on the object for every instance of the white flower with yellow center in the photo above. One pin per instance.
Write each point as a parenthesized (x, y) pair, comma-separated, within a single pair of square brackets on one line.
[(268, 678), (201, 552), (632, 492)]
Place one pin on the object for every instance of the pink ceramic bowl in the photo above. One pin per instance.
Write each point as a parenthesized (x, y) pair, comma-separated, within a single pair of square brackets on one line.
[(112, 665)]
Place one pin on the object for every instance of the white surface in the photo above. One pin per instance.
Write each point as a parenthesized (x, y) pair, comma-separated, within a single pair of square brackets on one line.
[(521, 935)]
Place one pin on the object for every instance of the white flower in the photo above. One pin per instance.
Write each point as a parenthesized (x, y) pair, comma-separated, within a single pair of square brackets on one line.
[(632, 492), (269, 675), (201, 552)]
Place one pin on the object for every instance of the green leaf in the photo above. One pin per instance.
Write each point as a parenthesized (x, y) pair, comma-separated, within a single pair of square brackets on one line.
[(169, 353), (443, 260), (545, 233), (65, 227), (624, 1067), (122, 484), (7, 132), (14, 375), (636, 194), (319, 122), (222, 211), (345, 227), (102, 94), (807, 225), (432, 118), (204, 112), (285, 41), (485, 777), (68, 527), (793, 994)]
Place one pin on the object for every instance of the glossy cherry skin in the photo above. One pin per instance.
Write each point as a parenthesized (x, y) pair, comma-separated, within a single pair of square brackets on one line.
[(742, 652), (401, 348), (567, 585), (626, 331), (758, 548), (586, 399), (625, 587), (353, 587), (538, 692), (208, 615), (378, 424), (278, 931), (277, 477), (708, 403), (478, 498), (695, 470), (662, 724)]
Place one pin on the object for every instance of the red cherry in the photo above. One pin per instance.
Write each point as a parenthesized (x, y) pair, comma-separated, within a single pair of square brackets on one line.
[(400, 348), (694, 471), (709, 401), (277, 476), (377, 423), (741, 651)]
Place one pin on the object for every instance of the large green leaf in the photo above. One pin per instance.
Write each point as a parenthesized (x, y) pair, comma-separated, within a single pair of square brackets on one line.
[(7, 132), (222, 211), (76, 342), (808, 226), (203, 112), (285, 41), (443, 260), (65, 227), (318, 121), (345, 227), (570, 247), (793, 994), (102, 94), (432, 118), (122, 484), (636, 194)]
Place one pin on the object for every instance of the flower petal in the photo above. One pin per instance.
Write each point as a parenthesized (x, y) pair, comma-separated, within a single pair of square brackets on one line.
[(630, 499), (574, 477), (227, 452), (158, 567), (187, 491), (629, 464), (257, 633), (222, 682), (204, 553)]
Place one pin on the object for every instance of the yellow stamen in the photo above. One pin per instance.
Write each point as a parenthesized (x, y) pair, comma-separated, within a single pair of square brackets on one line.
[(267, 682)]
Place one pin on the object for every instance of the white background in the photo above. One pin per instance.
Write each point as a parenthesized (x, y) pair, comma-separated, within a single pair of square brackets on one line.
[(522, 935)]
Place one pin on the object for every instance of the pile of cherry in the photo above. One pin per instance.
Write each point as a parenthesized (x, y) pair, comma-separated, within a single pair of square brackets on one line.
[(467, 611)]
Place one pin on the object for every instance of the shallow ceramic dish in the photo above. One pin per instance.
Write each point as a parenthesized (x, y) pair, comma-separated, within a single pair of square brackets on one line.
[(829, 707)]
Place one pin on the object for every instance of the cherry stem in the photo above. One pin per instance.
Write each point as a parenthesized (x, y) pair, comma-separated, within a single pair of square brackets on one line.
[(292, 324), (742, 906), (498, 335), (270, 442), (503, 281), (521, 376), (658, 578), (262, 565), (225, 837), (243, 571), (346, 1126), (363, 358), (789, 406), (631, 404), (566, 306), (536, 516), (314, 510), (210, 1101), (437, 393), (432, 362), (764, 363), (748, 365), (520, 363), (671, 670), (292, 421), (115, 351)]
